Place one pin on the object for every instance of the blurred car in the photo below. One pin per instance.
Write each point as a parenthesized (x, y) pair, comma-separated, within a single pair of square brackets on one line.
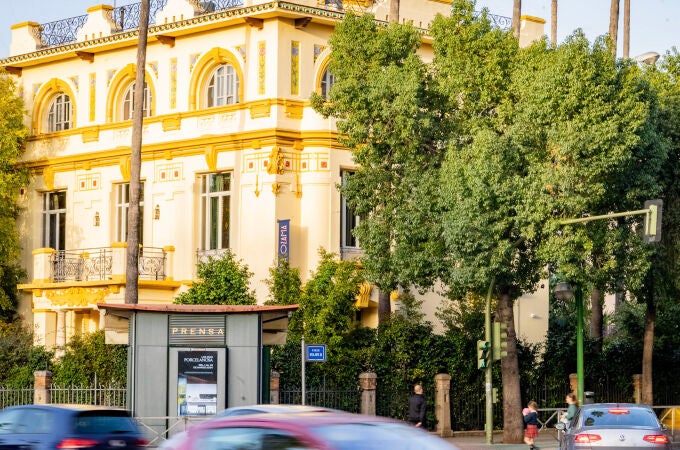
[(605, 426), (174, 441), (46, 427), (272, 409), (318, 431)]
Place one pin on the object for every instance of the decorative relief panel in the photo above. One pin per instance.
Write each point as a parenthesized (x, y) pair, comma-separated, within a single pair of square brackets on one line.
[(241, 50), (261, 66), (173, 83), (74, 80), (93, 95), (294, 68), (169, 172), (77, 296), (318, 50), (89, 182)]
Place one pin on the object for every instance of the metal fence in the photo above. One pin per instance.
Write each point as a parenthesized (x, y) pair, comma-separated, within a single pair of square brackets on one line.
[(344, 399), (96, 394)]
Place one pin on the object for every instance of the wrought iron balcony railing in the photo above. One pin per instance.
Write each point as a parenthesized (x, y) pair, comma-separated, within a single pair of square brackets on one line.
[(82, 265), (94, 264), (204, 256)]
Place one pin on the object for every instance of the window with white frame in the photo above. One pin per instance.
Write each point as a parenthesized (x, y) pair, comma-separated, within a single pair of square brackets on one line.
[(348, 219), (128, 103), (122, 207), (215, 210), (54, 220), (326, 82), (59, 113), (222, 88)]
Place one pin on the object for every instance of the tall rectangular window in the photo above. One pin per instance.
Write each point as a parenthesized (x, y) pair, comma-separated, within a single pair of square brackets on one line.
[(348, 219), (122, 207), (54, 220), (215, 210)]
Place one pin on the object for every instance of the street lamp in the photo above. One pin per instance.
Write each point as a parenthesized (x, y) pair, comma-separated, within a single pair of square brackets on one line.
[(564, 291)]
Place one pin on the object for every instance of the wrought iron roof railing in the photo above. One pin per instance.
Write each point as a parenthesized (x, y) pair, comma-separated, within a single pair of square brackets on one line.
[(125, 17)]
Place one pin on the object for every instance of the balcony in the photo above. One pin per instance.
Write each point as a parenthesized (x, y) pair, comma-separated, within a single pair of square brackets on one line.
[(100, 264)]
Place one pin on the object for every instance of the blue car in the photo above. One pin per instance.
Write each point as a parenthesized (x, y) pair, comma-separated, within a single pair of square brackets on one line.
[(47, 427)]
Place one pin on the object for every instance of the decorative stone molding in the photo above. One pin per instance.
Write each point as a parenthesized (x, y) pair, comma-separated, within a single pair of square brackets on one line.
[(99, 24)]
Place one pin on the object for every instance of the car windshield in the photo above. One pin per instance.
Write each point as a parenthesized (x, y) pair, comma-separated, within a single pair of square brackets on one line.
[(620, 417), (99, 422), (378, 436)]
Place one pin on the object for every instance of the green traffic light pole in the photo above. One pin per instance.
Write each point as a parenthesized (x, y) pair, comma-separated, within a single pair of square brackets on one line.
[(488, 375), (652, 233)]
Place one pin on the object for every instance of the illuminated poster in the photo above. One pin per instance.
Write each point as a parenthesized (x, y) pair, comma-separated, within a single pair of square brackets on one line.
[(196, 383)]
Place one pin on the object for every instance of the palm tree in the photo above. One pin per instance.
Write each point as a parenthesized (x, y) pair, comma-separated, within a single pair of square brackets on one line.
[(132, 270), (626, 28), (516, 16), (614, 24), (394, 11)]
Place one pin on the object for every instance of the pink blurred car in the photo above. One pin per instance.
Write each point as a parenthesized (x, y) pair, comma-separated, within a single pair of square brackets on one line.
[(318, 431)]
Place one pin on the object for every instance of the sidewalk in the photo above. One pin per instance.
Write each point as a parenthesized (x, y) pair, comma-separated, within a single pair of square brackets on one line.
[(546, 440)]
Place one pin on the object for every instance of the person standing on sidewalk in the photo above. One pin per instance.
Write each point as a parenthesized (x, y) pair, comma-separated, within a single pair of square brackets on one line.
[(416, 407), (531, 423)]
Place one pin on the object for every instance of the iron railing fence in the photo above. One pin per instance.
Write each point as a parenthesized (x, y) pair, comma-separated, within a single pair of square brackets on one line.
[(152, 263), (343, 399), (127, 17), (11, 396), (96, 394), (82, 265), (59, 32)]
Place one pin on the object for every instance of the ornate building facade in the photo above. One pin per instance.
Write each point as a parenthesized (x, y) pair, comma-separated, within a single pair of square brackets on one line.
[(233, 155)]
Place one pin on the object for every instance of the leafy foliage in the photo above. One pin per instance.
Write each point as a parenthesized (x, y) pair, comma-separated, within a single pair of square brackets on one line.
[(12, 177), (89, 355), (19, 358), (224, 281), (285, 285)]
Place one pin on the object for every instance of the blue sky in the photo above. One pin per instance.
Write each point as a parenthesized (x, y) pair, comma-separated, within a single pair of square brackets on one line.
[(654, 23)]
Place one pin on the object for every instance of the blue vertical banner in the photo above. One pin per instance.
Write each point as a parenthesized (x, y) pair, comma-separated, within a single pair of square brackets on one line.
[(284, 240)]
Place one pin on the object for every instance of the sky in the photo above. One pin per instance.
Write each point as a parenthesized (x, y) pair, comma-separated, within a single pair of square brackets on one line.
[(653, 24)]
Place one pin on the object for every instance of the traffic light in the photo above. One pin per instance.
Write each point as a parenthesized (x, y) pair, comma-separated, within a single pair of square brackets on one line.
[(500, 340), (483, 354), (652, 231)]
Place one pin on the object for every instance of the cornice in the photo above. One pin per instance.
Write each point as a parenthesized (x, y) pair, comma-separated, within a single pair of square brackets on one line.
[(186, 26)]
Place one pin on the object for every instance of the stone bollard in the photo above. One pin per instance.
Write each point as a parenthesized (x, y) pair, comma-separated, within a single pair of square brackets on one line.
[(274, 378), (442, 404), (637, 388), (368, 382), (41, 387)]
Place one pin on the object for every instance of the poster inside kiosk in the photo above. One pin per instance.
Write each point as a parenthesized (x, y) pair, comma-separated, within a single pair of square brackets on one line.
[(197, 383), (316, 352)]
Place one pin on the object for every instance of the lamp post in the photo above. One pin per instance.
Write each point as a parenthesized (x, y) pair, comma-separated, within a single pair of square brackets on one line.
[(564, 291)]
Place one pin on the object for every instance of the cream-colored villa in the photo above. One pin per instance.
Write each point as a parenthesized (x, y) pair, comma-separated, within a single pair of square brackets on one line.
[(233, 155)]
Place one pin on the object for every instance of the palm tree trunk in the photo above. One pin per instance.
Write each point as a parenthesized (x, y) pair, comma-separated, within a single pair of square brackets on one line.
[(132, 269), (553, 24), (626, 28), (394, 11), (614, 24), (516, 17), (513, 424)]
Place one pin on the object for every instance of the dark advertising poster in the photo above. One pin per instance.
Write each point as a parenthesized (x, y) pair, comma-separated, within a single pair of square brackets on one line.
[(197, 383)]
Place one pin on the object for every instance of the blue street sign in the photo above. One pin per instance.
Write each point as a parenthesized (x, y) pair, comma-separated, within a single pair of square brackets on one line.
[(316, 352)]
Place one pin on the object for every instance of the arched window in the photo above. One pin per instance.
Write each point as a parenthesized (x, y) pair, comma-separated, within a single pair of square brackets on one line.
[(326, 82), (222, 86), (128, 102), (59, 113)]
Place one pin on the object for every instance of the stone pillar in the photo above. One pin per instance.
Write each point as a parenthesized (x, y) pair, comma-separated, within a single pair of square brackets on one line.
[(42, 265), (368, 381), (60, 343), (274, 378), (442, 404), (573, 383), (531, 30), (637, 388), (118, 261), (41, 387), (169, 262), (99, 23), (26, 38)]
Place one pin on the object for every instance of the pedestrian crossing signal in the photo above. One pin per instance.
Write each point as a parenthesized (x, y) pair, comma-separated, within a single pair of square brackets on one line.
[(483, 354)]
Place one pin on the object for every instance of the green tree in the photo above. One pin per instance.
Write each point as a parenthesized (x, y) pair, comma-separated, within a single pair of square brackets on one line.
[(12, 178), (285, 285), (88, 356), (19, 358), (391, 121), (223, 281)]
